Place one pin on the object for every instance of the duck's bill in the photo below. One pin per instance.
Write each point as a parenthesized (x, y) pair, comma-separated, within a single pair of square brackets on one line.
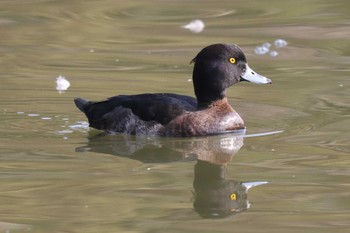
[(249, 185), (251, 76)]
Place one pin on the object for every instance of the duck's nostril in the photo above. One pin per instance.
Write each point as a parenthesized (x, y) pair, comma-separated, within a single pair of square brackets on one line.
[(253, 73)]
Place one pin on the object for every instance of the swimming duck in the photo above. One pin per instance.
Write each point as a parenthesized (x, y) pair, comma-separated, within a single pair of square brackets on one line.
[(216, 67)]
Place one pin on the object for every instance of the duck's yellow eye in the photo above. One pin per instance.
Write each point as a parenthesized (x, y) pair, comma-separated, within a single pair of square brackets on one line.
[(232, 60), (233, 197)]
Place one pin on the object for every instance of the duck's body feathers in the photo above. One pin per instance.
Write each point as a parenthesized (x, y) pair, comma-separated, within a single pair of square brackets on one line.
[(216, 68), (135, 114)]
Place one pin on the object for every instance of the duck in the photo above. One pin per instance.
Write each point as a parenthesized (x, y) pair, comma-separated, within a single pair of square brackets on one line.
[(216, 68)]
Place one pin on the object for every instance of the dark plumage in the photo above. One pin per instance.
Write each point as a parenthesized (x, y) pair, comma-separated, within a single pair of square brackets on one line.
[(216, 68)]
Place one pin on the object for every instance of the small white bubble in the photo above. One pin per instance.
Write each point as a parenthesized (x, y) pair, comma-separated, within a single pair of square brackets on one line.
[(92, 50), (46, 118), (148, 169), (33, 114), (195, 26), (62, 84), (280, 43), (189, 80), (341, 85), (260, 50), (20, 113), (273, 53)]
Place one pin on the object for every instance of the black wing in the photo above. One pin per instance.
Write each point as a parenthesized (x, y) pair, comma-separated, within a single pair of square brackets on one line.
[(160, 107)]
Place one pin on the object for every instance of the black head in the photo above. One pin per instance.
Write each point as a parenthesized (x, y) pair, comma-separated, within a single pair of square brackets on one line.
[(216, 68)]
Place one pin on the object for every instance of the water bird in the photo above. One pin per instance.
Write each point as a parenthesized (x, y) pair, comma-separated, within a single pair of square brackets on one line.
[(216, 68)]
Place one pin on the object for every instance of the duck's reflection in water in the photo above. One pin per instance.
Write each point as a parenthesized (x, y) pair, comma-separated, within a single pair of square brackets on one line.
[(215, 195)]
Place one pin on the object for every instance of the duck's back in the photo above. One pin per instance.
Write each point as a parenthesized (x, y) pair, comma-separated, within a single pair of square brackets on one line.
[(136, 114)]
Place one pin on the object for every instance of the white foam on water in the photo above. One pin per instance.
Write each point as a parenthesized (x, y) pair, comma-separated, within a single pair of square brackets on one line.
[(195, 26)]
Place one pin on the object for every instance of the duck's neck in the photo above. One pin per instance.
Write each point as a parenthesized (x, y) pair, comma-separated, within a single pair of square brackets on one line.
[(213, 103), (206, 96)]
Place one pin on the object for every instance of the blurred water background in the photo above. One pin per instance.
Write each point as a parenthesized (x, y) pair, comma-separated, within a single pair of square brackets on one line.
[(57, 175)]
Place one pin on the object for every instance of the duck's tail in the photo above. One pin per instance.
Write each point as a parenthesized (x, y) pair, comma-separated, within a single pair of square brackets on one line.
[(81, 103)]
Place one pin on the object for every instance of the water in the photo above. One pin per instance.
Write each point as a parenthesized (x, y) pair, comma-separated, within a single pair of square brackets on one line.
[(59, 176)]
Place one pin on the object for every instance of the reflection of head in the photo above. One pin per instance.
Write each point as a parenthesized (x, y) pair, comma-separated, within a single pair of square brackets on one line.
[(216, 197)]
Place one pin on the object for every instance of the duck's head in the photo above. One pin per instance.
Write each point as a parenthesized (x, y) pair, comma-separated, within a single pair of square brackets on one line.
[(219, 66)]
